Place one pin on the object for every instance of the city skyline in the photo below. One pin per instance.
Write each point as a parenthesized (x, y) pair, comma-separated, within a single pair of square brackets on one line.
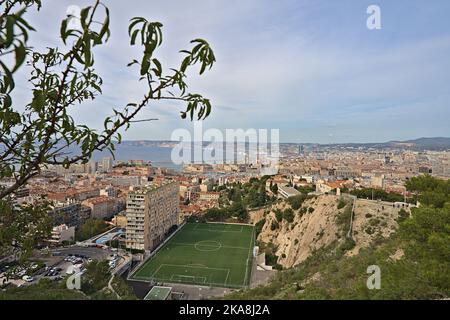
[(292, 142), (224, 150)]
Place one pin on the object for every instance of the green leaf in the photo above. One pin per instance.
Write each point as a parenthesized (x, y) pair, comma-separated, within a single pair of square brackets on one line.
[(133, 37), (20, 53), (132, 62), (202, 69), (105, 28), (8, 78), (158, 67), (134, 22), (83, 16), (145, 64), (63, 30), (38, 100), (185, 63), (9, 31), (87, 53)]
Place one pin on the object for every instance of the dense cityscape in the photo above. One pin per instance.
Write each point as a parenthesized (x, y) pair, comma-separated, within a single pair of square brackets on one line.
[(133, 206), (214, 159)]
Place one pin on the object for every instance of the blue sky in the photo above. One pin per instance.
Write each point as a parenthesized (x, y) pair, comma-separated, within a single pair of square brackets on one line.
[(310, 68)]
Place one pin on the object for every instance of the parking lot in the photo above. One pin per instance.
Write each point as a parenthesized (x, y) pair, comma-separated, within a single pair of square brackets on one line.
[(56, 265)]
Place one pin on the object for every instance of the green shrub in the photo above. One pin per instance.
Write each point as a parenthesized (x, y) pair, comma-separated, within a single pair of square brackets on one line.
[(259, 226), (278, 215), (402, 215), (348, 244), (274, 225), (288, 215), (296, 201), (342, 203)]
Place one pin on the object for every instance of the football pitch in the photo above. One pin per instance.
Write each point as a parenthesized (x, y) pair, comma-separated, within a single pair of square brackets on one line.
[(210, 254)]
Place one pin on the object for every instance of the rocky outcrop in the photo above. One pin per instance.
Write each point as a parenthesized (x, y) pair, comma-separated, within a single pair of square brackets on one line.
[(318, 223), (310, 229)]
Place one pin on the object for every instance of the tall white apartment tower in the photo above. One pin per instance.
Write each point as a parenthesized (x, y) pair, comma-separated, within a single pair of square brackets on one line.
[(151, 212), (107, 164)]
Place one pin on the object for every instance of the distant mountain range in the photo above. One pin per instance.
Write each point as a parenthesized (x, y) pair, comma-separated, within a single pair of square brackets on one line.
[(436, 143)]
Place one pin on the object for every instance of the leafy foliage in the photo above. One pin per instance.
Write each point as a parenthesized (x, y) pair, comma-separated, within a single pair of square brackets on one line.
[(63, 78), (378, 194), (343, 219), (90, 228), (44, 290), (96, 276), (296, 201), (122, 289), (420, 273), (259, 226), (22, 228), (278, 215), (432, 191), (236, 210), (288, 215), (342, 203), (305, 189)]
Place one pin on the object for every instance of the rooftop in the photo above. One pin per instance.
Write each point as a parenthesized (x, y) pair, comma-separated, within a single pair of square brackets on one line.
[(158, 293)]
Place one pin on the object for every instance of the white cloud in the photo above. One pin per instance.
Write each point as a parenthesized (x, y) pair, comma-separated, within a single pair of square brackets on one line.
[(283, 64)]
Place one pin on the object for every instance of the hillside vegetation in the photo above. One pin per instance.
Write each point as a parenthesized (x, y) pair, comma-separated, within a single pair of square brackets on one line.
[(414, 261)]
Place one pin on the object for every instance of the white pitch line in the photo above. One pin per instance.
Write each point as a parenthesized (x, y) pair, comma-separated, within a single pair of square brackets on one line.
[(190, 266), (226, 279), (157, 270), (249, 257), (208, 245)]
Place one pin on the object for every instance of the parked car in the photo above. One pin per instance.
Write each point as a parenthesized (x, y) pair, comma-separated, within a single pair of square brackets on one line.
[(28, 278), (21, 273)]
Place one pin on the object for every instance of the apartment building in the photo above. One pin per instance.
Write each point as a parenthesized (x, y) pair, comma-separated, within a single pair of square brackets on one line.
[(209, 196), (102, 206), (107, 164), (151, 211), (62, 233), (287, 192), (66, 213)]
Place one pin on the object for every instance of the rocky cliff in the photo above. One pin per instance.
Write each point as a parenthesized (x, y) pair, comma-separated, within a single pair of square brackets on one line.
[(292, 233)]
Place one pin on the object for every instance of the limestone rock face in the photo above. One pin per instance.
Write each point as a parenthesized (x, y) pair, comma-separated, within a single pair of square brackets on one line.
[(315, 226), (308, 231)]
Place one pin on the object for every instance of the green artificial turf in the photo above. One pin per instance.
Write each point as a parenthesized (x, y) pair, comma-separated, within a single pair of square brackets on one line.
[(203, 254)]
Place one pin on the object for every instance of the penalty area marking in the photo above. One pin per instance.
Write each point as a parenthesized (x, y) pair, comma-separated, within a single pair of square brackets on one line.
[(209, 229), (207, 245)]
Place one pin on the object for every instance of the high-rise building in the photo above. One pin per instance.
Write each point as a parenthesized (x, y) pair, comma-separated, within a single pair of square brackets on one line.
[(301, 150), (107, 164), (93, 166), (151, 211)]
